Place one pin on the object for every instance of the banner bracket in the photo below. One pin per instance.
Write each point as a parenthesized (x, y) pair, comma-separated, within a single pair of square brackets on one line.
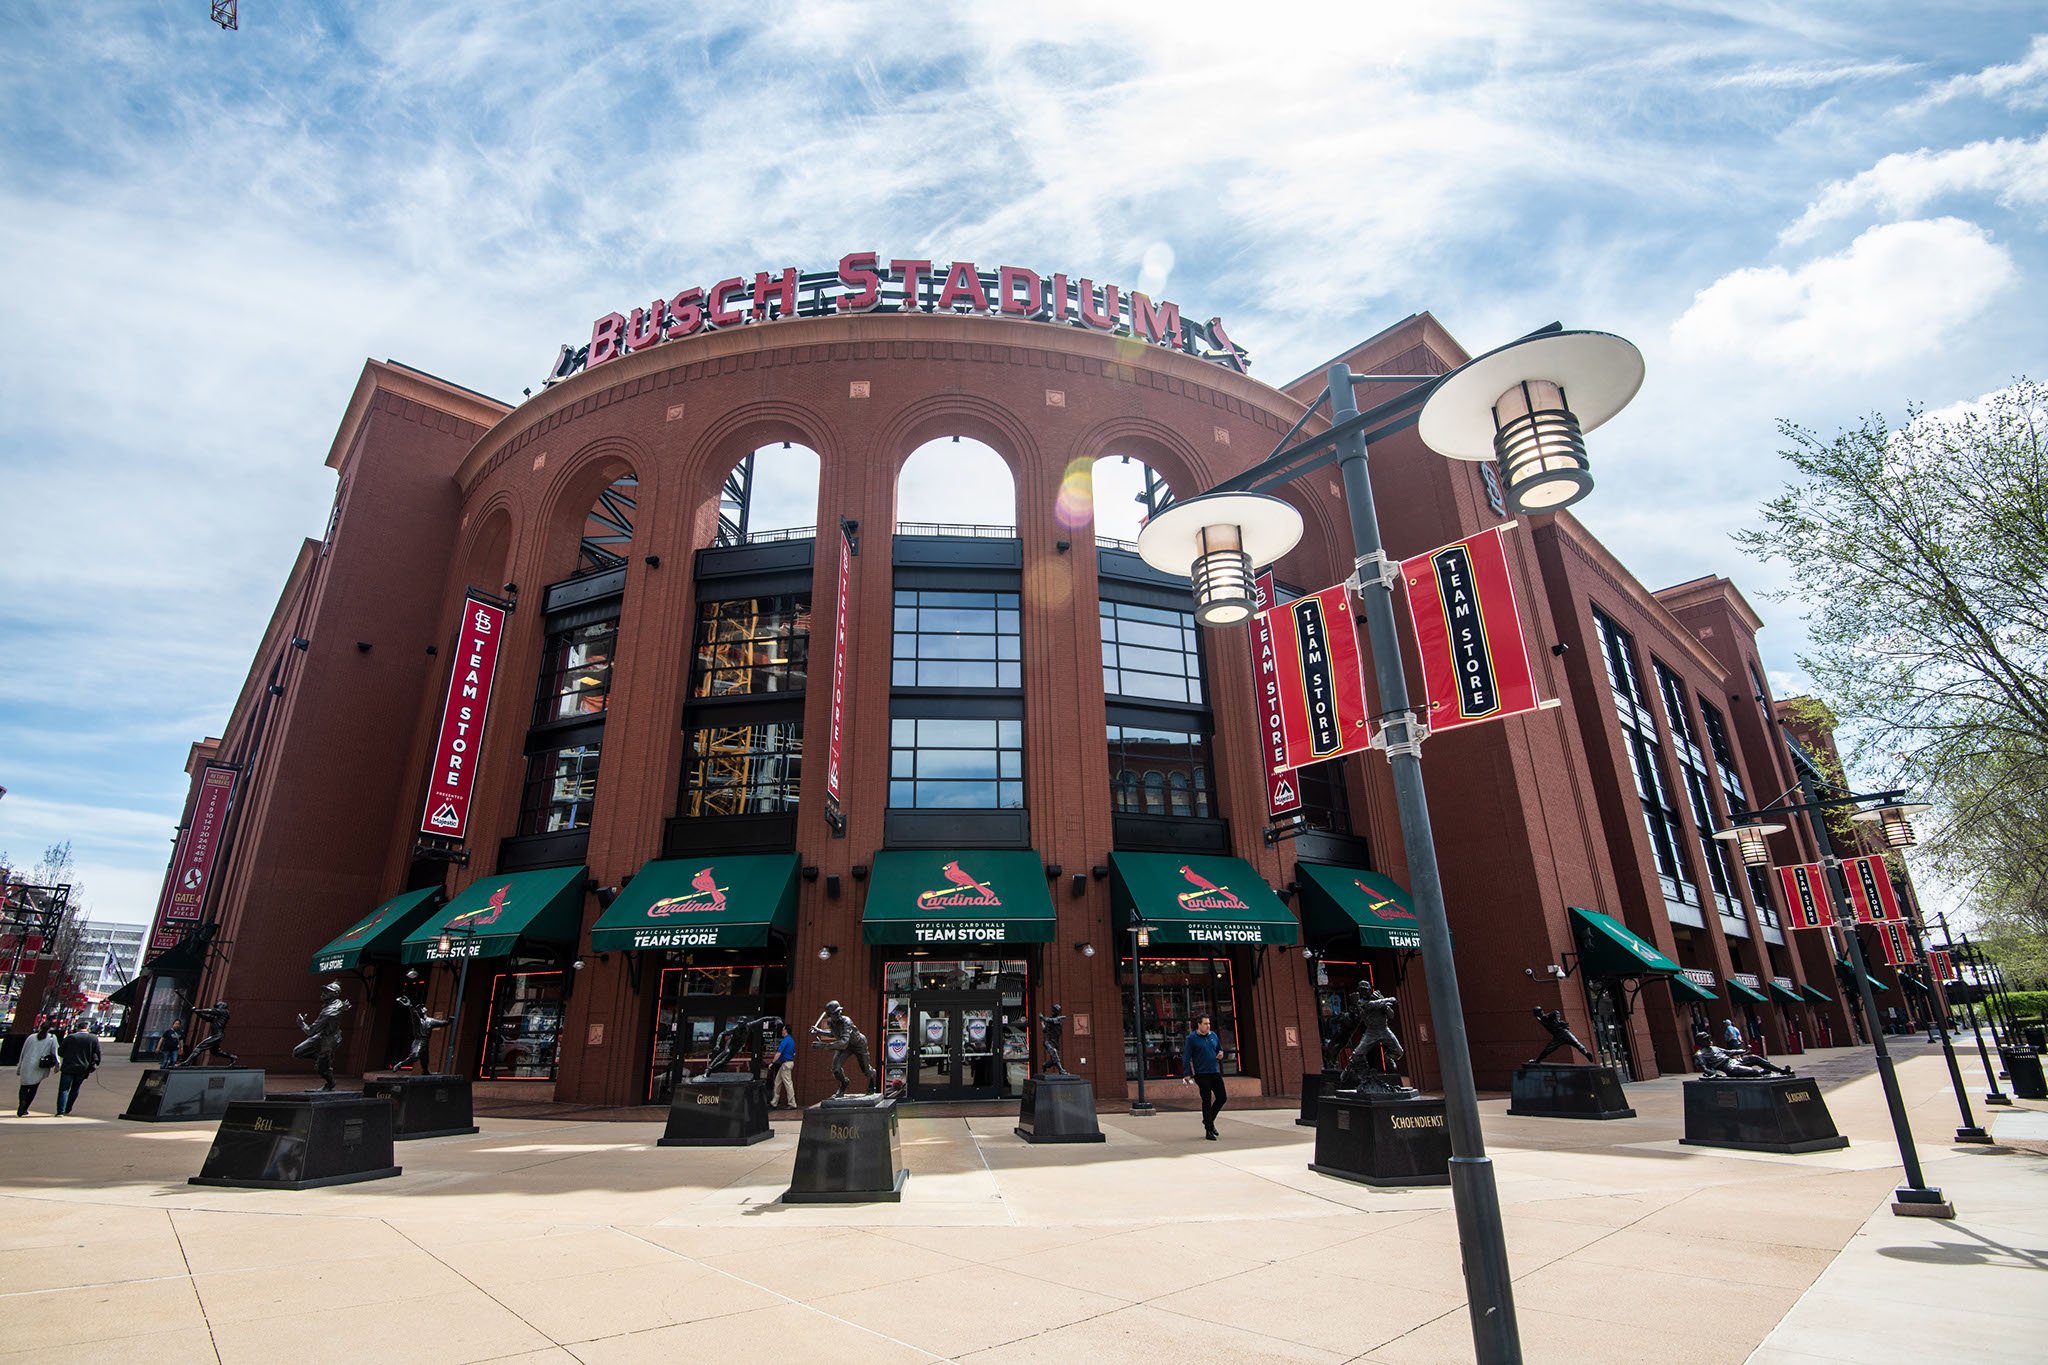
[(1373, 569), (1403, 733)]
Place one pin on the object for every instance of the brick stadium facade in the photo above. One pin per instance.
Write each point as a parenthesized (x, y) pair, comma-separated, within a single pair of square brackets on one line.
[(442, 490)]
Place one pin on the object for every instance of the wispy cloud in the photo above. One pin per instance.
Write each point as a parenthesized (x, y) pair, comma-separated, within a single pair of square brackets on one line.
[(2017, 85), (2013, 172)]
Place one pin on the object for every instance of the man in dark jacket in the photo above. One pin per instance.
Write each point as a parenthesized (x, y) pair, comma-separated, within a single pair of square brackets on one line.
[(1201, 1058), (78, 1056)]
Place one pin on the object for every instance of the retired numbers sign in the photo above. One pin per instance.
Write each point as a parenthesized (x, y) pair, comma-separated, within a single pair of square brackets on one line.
[(1468, 631), (1806, 895), (1319, 677), (453, 778)]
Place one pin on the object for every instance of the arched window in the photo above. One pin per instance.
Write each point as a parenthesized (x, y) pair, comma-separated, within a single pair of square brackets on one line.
[(956, 484), (770, 494), (1155, 793), (1177, 784), (1123, 790)]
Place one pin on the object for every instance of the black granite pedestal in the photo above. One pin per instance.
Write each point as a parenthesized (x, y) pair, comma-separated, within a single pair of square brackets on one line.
[(1783, 1114), (425, 1106), (301, 1142), (194, 1092), (849, 1152), (1382, 1141), (1313, 1084), (1568, 1092), (1058, 1108), (726, 1110)]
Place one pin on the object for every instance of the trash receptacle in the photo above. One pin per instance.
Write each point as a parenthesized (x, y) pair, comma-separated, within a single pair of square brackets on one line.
[(2025, 1070)]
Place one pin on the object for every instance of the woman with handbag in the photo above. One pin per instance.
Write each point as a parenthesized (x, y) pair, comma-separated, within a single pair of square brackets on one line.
[(38, 1059)]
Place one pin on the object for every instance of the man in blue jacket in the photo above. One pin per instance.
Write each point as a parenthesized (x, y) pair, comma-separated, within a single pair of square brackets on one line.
[(1201, 1065)]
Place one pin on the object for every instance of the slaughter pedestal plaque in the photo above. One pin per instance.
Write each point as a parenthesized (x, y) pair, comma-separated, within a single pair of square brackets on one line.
[(192, 1092), (1313, 1084), (1568, 1092), (425, 1106), (1058, 1108), (849, 1152), (1761, 1114), (301, 1142), (1382, 1140), (725, 1109)]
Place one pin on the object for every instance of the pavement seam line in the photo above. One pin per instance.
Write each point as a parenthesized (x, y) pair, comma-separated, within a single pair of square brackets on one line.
[(211, 1339), (432, 1256)]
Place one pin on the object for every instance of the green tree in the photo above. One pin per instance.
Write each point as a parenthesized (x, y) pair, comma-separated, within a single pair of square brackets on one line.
[(1921, 557)]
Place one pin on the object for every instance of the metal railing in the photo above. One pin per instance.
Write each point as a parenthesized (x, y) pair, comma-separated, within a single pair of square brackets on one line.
[(941, 528)]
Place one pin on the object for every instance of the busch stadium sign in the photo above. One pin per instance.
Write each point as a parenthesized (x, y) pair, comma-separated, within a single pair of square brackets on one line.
[(864, 283)]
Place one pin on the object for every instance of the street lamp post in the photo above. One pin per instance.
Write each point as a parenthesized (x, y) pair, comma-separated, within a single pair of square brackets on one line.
[(1954, 1071), (1141, 939), (1937, 1003), (445, 946), (1996, 1096), (1526, 406)]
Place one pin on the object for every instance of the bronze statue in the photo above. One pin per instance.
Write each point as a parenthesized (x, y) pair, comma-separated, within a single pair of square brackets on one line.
[(423, 1026), (323, 1035), (1051, 1027), (835, 1029), (1561, 1036), (757, 1034), (217, 1032), (1719, 1064), (1375, 1066)]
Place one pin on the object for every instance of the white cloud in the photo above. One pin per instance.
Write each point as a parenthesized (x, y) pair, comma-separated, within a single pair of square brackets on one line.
[(2019, 85), (1892, 294), (2014, 172), (1812, 75)]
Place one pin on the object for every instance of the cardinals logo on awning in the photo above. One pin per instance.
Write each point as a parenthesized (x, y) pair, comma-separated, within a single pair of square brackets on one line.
[(1382, 906), (487, 914), (966, 892), (709, 895), (1207, 895)]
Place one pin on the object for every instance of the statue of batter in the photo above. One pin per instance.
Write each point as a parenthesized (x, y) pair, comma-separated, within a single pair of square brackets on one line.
[(323, 1035), (1719, 1064), (757, 1035), (423, 1026), (1561, 1036), (217, 1032), (1051, 1027), (835, 1030), (1376, 1057)]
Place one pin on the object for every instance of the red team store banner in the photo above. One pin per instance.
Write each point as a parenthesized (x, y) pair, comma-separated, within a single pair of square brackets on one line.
[(1468, 631), (1806, 895), (1283, 787), (1898, 944), (192, 863), (1870, 889), (1943, 964), (452, 780), (1318, 678), (839, 664)]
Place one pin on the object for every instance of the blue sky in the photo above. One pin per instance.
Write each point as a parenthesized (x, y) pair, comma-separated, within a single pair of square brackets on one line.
[(1808, 212)]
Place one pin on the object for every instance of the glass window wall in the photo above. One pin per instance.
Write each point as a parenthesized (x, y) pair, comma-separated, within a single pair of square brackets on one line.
[(523, 1027), (576, 672), (561, 789), (956, 639), (743, 769), (752, 645), (1179, 991), (952, 764)]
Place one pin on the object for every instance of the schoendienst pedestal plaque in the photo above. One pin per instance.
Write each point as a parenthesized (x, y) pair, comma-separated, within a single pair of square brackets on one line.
[(1568, 1092), (1382, 1140), (1058, 1108), (194, 1092), (1784, 1114), (301, 1142), (849, 1152), (724, 1109), (426, 1106)]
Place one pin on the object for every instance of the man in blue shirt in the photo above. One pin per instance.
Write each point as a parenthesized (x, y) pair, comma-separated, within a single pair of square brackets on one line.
[(783, 1080), (1201, 1065)]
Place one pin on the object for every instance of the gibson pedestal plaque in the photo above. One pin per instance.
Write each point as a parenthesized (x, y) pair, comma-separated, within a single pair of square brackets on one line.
[(1058, 1109), (726, 1109)]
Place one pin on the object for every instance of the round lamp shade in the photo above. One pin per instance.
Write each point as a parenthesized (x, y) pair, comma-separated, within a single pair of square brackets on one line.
[(1267, 529), (1599, 373)]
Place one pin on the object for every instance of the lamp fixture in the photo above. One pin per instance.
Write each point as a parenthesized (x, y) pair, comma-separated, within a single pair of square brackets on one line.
[(1894, 822), (1219, 540), (826, 951), (860, 872), (444, 943), (1080, 884), (1528, 405), (653, 561), (605, 896), (276, 691), (577, 965), (1144, 933), (1752, 841), (1085, 949), (300, 642), (1099, 871), (362, 646), (832, 885), (810, 872), (1053, 872)]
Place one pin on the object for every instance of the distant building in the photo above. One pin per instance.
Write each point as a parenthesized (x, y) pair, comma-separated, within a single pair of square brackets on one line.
[(108, 956)]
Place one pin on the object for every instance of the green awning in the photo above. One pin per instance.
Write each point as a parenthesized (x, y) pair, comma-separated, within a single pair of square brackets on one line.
[(125, 996), (1607, 947), (1815, 994), (378, 933), (957, 895), (1845, 973), (1908, 979), (1785, 995), (1200, 899), (1685, 988), (702, 903), (1345, 901), (1738, 991), (541, 907), (184, 958)]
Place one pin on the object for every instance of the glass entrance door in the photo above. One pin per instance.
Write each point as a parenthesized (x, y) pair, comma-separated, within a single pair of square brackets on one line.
[(1609, 1004), (956, 1046)]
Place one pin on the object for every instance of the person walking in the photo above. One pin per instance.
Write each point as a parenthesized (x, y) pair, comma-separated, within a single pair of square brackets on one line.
[(78, 1056), (782, 1077), (168, 1045), (1732, 1036), (38, 1059), (1201, 1065)]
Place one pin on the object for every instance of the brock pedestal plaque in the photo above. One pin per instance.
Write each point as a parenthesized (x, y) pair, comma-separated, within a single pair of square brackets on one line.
[(1568, 1092), (199, 1092), (1380, 1140), (1767, 1114), (849, 1152), (301, 1142), (1058, 1109), (425, 1106), (724, 1110)]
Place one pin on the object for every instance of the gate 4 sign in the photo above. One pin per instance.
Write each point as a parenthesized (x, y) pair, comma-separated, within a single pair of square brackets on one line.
[(1317, 676), (1870, 889), (453, 777), (1806, 895), (1468, 630)]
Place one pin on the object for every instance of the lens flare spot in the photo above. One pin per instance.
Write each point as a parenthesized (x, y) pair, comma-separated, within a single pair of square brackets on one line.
[(1075, 506)]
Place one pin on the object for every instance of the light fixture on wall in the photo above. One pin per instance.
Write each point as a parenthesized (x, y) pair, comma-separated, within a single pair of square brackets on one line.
[(1080, 884), (826, 951), (1085, 949)]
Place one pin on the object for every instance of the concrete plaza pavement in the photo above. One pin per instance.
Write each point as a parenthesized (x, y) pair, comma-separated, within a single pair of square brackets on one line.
[(579, 1240)]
